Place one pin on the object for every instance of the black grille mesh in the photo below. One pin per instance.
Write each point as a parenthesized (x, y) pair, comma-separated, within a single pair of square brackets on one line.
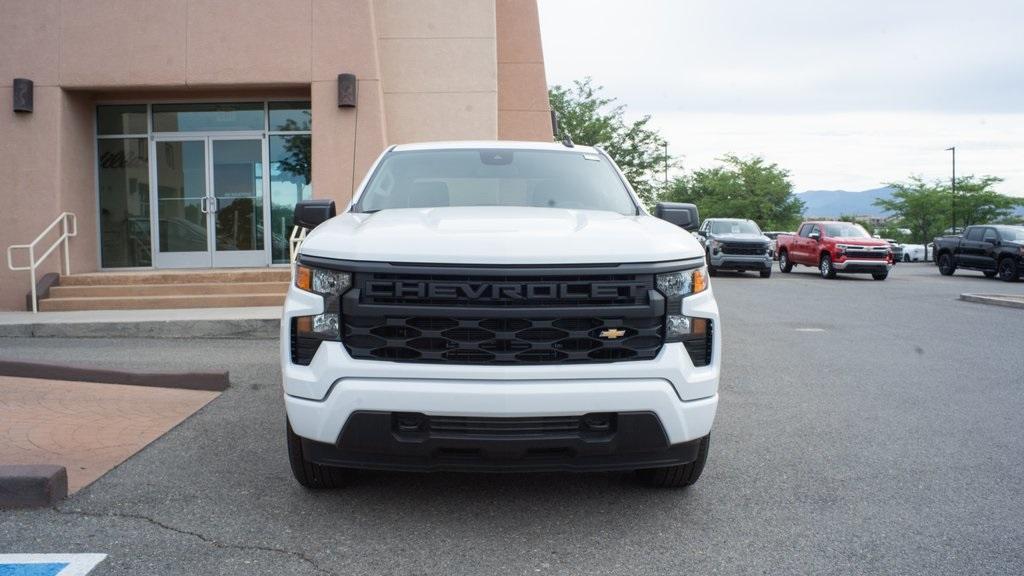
[(502, 341), (700, 347), (744, 249)]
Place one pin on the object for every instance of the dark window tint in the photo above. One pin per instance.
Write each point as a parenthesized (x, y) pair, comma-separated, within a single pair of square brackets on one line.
[(990, 235), (114, 120), (213, 117), (123, 177), (805, 230), (975, 233), (290, 116)]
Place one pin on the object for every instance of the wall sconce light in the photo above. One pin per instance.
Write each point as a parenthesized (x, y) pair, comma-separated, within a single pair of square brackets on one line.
[(346, 90), (22, 95)]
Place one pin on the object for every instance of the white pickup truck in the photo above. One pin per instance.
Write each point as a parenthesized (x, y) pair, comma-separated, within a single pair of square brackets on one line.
[(499, 306)]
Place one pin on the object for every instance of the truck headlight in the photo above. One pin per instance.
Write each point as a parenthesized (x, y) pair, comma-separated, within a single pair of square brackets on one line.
[(309, 331), (675, 286)]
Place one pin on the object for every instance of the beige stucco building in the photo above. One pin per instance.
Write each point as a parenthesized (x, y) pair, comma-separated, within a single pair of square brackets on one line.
[(181, 132)]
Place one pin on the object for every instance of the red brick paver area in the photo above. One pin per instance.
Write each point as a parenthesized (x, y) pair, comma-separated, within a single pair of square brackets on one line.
[(88, 428)]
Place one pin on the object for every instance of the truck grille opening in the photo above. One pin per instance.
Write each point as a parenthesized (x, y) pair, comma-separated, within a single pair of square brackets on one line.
[(502, 341), (744, 249), (414, 424)]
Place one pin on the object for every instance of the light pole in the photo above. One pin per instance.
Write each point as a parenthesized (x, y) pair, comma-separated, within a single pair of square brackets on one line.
[(952, 182), (665, 144)]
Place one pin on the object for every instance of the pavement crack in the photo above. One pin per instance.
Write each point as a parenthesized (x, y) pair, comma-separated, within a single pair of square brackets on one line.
[(202, 537)]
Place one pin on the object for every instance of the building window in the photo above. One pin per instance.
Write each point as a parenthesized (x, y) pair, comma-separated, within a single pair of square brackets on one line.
[(125, 134), (123, 177)]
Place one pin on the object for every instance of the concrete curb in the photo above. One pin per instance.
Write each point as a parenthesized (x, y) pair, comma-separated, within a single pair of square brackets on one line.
[(212, 381), (32, 486), (240, 329), (1006, 300)]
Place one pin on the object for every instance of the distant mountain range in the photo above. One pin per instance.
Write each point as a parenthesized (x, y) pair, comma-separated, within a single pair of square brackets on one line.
[(834, 203)]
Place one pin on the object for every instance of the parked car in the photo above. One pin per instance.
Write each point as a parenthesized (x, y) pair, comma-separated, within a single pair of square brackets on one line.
[(835, 247), (736, 244), (774, 235), (994, 250), (439, 325), (915, 253), (897, 250)]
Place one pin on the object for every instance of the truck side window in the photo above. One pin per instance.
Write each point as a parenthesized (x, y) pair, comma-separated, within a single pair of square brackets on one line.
[(805, 230), (974, 233), (990, 236), (814, 229)]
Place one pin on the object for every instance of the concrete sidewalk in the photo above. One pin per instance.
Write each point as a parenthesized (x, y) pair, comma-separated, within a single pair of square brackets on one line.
[(86, 427), (235, 323)]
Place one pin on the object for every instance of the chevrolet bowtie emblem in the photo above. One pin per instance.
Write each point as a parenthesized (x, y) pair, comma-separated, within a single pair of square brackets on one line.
[(612, 333)]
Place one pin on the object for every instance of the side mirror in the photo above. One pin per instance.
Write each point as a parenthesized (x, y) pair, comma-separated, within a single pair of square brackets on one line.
[(683, 215), (311, 213), (816, 236)]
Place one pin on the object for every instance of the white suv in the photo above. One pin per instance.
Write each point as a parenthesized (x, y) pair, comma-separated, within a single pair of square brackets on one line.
[(499, 306)]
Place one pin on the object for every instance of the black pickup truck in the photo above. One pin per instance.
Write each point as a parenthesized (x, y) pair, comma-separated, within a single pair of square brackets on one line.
[(994, 250)]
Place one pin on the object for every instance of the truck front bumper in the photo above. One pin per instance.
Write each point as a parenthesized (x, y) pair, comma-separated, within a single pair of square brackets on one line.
[(741, 262), (345, 409), (862, 265)]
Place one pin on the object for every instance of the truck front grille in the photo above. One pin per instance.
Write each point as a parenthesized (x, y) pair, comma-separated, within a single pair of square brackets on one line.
[(744, 249), (866, 254), (482, 340)]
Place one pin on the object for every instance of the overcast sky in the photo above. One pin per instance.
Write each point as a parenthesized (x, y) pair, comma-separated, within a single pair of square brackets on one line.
[(845, 94)]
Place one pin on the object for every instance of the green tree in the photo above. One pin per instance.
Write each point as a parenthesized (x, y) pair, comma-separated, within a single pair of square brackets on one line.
[(741, 188), (591, 119), (921, 207), (978, 203)]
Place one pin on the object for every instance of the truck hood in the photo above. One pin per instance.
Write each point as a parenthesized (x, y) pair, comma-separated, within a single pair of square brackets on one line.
[(499, 235), (860, 241), (741, 238)]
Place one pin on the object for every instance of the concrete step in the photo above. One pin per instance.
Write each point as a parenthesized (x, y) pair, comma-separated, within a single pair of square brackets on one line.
[(233, 323), (159, 302), (200, 276), (137, 290)]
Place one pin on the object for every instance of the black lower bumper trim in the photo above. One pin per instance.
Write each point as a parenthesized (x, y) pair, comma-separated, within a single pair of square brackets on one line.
[(744, 265), (380, 441)]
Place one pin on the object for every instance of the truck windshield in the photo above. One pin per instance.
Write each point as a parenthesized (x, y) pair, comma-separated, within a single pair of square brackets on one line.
[(734, 227), (845, 230), (1012, 234), (495, 177)]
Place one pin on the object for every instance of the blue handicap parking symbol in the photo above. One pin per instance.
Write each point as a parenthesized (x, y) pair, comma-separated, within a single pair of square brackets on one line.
[(48, 564)]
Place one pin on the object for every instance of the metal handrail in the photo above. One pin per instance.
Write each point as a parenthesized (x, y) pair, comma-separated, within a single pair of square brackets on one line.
[(295, 240), (69, 229)]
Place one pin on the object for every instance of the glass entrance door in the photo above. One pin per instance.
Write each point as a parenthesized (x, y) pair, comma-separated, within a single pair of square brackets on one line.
[(210, 201)]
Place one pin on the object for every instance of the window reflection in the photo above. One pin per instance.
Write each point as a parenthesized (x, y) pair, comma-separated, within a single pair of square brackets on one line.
[(123, 176), (290, 181)]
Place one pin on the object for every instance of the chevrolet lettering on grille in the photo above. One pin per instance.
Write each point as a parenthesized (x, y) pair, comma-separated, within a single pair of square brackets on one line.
[(504, 290)]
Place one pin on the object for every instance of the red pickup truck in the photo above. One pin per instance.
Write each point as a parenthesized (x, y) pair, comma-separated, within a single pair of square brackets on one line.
[(834, 247)]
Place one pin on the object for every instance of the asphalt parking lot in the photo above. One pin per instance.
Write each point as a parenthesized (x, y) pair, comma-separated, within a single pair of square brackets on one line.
[(864, 427)]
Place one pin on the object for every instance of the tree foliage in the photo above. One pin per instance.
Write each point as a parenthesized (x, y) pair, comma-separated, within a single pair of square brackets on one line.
[(741, 188), (592, 119), (926, 208)]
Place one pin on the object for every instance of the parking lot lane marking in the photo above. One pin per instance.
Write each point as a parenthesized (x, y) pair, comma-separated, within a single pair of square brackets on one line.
[(810, 329), (48, 564)]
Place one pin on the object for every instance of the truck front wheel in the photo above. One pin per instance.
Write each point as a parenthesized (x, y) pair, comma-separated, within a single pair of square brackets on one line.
[(946, 266), (785, 266), (311, 475), (825, 266), (678, 476), (1008, 270)]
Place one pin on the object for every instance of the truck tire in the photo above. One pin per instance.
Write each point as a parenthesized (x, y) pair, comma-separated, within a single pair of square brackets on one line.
[(825, 267), (946, 265), (310, 475), (880, 275), (678, 476), (906, 257), (990, 273), (785, 266), (766, 273), (1008, 270)]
